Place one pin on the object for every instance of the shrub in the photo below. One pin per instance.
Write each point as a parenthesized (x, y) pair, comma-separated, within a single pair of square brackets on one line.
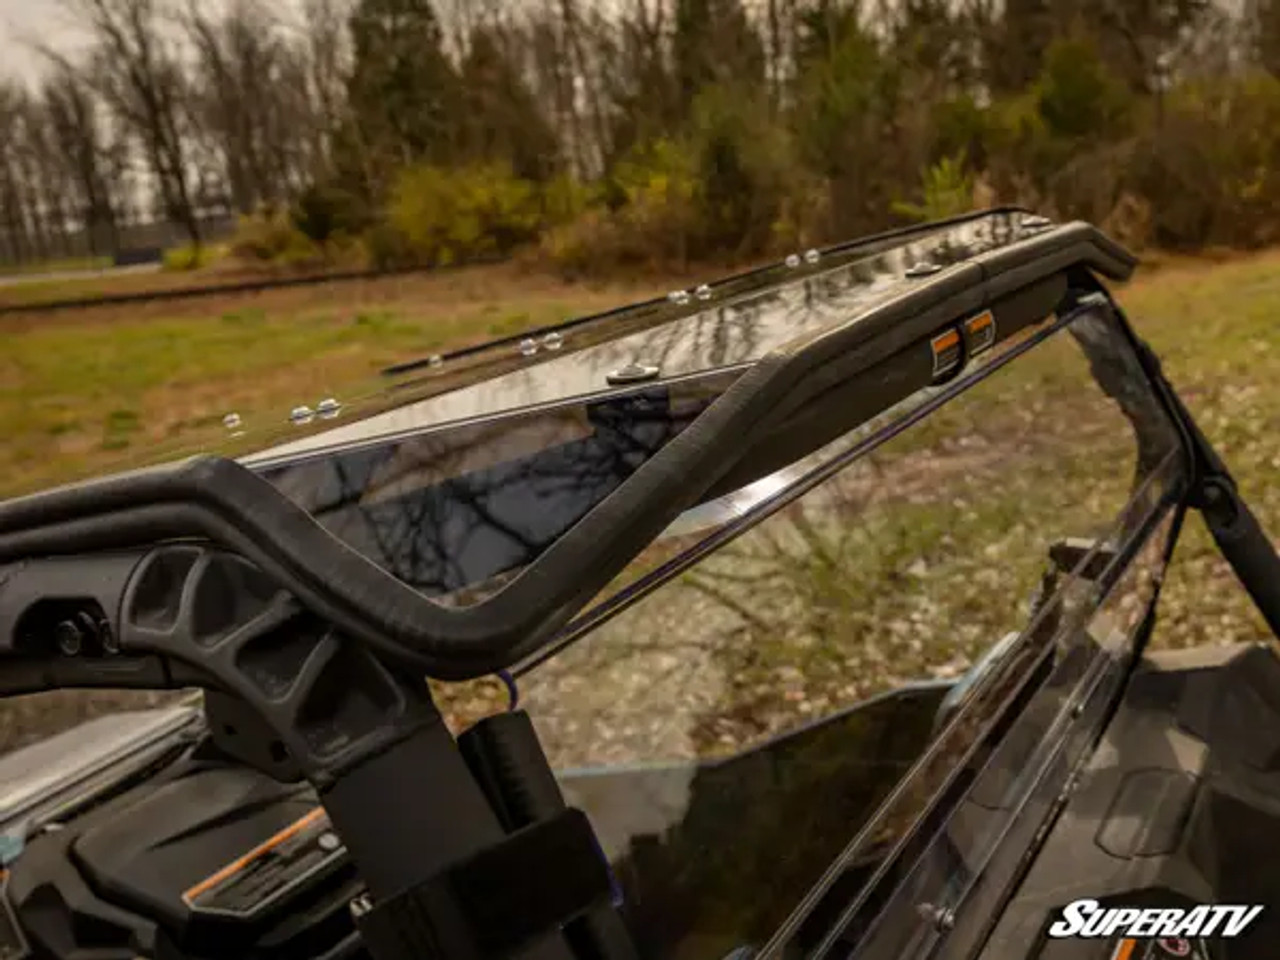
[(1210, 168), (730, 186), (270, 237), (327, 212), (1064, 144), (959, 126), (448, 216), (591, 243), (562, 198), (947, 192), (188, 257), (386, 248), (645, 215), (745, 172), (851, 120), (1076, 94)]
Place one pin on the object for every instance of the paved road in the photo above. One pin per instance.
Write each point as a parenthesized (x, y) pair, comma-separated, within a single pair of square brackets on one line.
[(13, 280)]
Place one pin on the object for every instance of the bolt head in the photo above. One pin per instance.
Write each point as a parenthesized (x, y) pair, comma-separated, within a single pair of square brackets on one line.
[(328, 841), (632, 373)]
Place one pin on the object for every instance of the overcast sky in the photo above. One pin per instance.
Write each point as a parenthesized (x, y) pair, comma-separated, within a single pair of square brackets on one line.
[(25, 21)]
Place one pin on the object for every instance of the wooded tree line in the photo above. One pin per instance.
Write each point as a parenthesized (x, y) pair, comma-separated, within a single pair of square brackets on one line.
[(603, 134)]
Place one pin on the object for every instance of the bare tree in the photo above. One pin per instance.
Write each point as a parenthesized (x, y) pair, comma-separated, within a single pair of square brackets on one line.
[(140, 76), (248, 85), (89, 155), (15, 230), (325, 55)]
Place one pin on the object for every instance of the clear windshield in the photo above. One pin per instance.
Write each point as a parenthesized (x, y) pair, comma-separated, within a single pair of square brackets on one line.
[(728, 724)]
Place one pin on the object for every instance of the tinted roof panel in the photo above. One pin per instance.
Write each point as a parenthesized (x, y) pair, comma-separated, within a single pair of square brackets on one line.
[(730, 324)]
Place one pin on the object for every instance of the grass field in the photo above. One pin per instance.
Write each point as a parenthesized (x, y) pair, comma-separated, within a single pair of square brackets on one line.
[(32, 271), (91, 390), (1217, 328), (33, 289), (94, 389)]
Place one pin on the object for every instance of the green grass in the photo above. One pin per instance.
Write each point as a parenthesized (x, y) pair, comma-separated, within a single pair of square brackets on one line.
[(84, 397), (1217, 329), (65, 265), (187, 258)]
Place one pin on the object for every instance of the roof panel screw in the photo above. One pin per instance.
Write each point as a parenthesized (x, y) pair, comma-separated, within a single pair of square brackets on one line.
[(361, 905), (812, 256), (231, 421), (301, 415), (941, 918), (1034, 222), (528, 347), (703, 292), (631, 373), (678, 297), (435, 360), (328, 408), (922, 269), (553, 341), (793, 260)]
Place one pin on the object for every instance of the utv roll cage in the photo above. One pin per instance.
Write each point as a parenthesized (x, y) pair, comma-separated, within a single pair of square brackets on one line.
[(204, 574)]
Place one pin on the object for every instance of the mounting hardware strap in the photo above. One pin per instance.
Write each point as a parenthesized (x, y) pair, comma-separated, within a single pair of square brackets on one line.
[(492, 905)]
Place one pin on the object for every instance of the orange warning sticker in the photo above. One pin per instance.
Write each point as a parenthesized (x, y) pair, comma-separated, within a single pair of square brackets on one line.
[(248, 883), (981, 332), (946, 352)]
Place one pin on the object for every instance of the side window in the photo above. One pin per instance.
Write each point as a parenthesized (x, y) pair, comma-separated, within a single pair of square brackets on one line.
[(733, 730)]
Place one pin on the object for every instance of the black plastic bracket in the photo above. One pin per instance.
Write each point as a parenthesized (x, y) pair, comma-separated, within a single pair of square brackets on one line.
[(507, 760), (1065, 559), (184, 614), (485, 907)]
